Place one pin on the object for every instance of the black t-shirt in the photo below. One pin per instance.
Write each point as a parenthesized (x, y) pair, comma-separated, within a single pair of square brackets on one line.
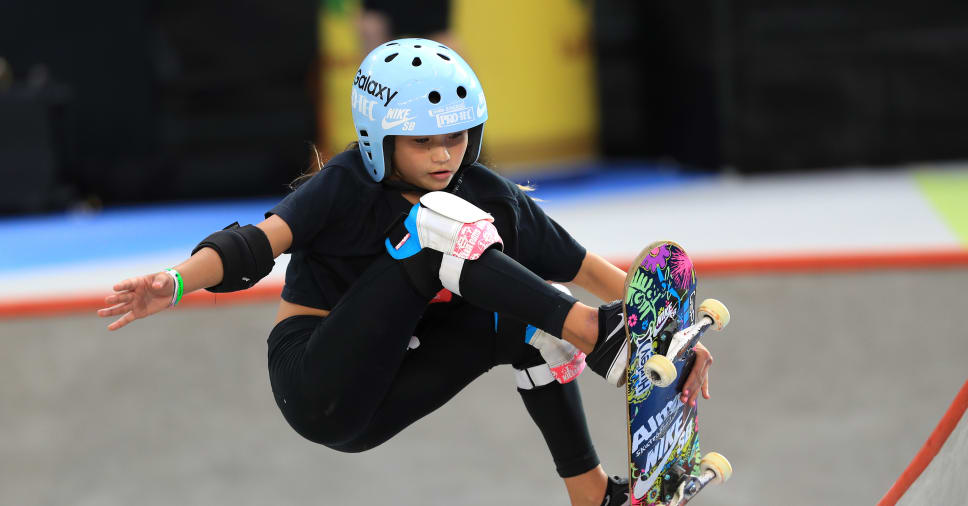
[(339, 218)]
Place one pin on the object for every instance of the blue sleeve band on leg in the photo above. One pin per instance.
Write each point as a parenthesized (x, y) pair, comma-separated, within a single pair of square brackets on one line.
[(528, 332), (410, 245)]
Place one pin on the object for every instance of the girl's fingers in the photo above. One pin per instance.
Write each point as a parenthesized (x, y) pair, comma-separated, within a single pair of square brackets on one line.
[(702, 383), (697, 382), (131, 284), (116, 298), (121, 322), (113, 310), (123, 286), (689, 396), (690, 391)]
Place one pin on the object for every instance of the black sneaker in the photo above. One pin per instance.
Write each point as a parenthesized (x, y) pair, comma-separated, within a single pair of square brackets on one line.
[(616, 492), (610, 356)]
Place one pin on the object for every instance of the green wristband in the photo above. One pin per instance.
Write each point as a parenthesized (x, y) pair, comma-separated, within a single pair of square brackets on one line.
[(179, 286)]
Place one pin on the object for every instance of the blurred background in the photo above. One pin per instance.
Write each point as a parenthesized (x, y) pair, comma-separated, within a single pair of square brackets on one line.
[(810, 156), (139, 100)]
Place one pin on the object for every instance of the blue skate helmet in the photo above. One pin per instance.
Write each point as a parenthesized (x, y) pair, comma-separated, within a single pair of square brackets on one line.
[(414, 87)]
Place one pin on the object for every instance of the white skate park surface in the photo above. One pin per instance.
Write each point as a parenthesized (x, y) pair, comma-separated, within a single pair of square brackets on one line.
[(824, 387)]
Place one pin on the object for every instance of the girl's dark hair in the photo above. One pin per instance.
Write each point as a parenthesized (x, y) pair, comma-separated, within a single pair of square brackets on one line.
[(316, 164)]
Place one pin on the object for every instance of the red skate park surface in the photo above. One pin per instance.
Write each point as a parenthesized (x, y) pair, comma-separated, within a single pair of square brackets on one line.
[(840, 360)]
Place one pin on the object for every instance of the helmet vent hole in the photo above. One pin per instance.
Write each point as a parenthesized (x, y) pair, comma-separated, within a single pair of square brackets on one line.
[(364, 134), (461, 92), (390, 58), (370, 155), (366, 143), (443, 46), (417, 46), (434, 97), (393, 44), (415, 62), (444, 56)]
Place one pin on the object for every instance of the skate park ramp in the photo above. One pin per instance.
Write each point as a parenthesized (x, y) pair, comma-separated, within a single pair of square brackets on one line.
[(826, 384), (935, 475)]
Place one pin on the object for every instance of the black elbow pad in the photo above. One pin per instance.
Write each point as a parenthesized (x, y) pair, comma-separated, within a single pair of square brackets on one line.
[(246, 256)]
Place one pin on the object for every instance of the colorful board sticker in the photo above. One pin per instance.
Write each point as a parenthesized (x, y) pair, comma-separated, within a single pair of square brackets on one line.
[(659, 298)]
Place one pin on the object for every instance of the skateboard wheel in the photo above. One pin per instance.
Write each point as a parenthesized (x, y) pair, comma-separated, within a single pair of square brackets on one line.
[(716, 311), (718, 464), (661, 370)]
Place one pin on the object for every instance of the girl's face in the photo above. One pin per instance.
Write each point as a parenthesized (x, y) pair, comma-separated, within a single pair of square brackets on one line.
[(429, 161)]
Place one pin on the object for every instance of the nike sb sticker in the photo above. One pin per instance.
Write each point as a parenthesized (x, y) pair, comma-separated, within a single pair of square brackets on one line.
[(396, 117)]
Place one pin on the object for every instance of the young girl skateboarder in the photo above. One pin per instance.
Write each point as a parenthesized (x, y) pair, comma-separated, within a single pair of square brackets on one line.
[(414, 270)]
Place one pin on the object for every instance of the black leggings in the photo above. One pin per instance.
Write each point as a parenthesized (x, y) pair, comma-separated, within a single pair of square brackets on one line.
[(348, 381)]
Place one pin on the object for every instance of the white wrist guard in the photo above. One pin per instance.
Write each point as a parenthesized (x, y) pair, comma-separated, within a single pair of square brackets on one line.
[(454, 226), (449, 224)]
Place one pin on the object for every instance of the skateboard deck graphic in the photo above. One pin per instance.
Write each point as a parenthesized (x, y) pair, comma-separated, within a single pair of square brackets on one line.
[(664, 458)]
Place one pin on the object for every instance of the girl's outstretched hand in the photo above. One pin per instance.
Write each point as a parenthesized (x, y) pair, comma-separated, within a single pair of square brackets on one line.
[(138, 297)]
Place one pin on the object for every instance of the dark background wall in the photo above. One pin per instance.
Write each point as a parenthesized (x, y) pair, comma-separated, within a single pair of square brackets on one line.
[(147, 100), (779, 85), (153, 100)]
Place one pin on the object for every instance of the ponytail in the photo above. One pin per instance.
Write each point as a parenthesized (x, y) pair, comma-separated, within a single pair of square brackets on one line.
[(316, 164)]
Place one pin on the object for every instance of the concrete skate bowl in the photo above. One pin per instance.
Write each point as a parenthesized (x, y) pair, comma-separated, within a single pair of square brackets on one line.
[(808, 402), (936, 474)]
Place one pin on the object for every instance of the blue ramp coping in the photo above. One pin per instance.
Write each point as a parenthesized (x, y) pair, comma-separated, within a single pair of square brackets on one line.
[(137, 230)]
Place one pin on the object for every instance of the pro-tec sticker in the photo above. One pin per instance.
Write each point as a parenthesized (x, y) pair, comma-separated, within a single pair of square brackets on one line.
[(453, 114)]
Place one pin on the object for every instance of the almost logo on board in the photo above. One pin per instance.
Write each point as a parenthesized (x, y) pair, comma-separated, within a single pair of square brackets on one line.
[(659, 449), (642, 436)]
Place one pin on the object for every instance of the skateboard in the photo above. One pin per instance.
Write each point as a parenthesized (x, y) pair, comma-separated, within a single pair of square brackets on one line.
[(663, 433)]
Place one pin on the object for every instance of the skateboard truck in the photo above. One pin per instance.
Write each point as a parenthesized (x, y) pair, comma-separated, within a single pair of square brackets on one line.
[(660, 368), (672, 480), (682, 487)]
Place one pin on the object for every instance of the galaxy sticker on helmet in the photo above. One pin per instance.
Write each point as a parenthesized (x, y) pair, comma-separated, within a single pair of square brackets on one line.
[(367, 84)]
